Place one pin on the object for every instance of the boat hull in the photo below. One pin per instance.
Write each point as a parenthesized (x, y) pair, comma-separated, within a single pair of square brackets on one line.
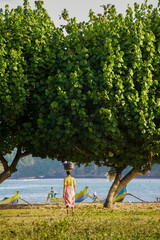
[(120, 196), (11, 200), (79, 197)]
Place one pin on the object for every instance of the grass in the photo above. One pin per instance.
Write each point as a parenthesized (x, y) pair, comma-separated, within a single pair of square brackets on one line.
[(91, 221)]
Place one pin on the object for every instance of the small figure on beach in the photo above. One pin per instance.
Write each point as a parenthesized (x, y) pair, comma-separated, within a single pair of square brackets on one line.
[(52, 195), (69, 190), (95, 196)]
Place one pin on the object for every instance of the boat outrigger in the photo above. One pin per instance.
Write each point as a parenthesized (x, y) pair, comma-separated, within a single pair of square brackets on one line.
[(121, 195), (119, 198), (81, 196), (12, 200)]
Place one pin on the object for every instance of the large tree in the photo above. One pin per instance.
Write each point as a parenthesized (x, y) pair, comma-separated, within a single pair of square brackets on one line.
[(121, 85), (93, 91), (101, 104), (25, 37)]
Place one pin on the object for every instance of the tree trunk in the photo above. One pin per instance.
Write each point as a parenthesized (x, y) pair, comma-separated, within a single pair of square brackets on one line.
[(111, 194), (119, 184), (4, 175), (127, 178), (8, 170)]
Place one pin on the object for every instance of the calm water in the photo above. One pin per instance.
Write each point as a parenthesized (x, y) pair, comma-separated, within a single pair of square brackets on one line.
[(36, 190)]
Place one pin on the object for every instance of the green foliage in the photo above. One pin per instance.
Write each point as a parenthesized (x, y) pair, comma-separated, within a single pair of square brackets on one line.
[(85, 91), (102, 100), (24, 34)]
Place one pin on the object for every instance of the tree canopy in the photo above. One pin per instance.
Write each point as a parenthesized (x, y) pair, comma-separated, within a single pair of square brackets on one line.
[(83, 92), (101, 98), (24, 37)]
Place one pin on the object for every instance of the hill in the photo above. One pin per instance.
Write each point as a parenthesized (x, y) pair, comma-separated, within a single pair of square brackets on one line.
[(37, 167)]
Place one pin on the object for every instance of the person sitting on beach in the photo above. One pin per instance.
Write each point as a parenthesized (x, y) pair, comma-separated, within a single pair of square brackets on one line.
[(69, 190)]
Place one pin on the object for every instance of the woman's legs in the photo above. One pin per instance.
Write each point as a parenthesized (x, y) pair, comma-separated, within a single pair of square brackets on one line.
[(67, 207), (72, 210)]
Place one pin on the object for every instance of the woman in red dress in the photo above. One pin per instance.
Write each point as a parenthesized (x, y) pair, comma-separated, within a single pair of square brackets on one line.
[(69, 190)]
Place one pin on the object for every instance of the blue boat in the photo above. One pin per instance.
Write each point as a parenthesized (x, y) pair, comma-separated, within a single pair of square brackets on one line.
[(121, 195), (81, 196)]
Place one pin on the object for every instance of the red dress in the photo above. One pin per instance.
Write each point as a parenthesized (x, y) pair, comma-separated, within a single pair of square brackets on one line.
[(69, 193)]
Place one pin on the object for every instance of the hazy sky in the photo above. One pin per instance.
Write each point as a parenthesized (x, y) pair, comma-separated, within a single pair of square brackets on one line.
[(76, 8)]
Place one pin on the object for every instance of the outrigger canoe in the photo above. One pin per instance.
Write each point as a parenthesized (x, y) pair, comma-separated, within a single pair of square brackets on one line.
[(10, 200), (119, 198), (79, 197), (121, 195)]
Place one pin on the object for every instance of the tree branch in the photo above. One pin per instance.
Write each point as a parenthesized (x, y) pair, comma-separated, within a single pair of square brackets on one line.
[(113, 189), (17, 157), (143, 172), (25, 154), (4, 162), (108, 165), (127, 178), (80, 150), (8, 170)]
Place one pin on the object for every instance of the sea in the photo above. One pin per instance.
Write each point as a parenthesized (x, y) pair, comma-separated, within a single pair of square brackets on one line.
[(36, 190)]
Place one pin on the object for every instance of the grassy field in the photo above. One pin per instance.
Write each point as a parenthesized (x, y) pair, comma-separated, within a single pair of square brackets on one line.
[(126, 221)]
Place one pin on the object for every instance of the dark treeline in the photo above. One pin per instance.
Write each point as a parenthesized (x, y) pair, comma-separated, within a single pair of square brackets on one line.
[(47, 168)]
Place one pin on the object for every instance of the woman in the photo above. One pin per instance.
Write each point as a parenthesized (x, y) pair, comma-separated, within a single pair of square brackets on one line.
[(69, 190)]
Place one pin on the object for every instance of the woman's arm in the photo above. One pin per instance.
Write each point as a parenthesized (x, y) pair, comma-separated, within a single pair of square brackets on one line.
[(64, 189)]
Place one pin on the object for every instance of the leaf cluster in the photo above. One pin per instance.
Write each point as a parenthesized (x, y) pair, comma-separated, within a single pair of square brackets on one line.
[(102, 101), (86, 91)]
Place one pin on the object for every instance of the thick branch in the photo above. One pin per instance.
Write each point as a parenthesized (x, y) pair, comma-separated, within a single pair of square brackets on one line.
[(4, 175), (108, 165), (8, 170), (17, 157), (127, 178), (143, 172), (113, 189), (4, 162), (25, 154)]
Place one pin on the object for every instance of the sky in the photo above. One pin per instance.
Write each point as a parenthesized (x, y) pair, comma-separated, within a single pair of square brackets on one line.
[(76, 8)]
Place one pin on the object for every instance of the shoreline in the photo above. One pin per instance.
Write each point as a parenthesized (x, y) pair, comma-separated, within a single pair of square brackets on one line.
[(117, 206), (42, 177)]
